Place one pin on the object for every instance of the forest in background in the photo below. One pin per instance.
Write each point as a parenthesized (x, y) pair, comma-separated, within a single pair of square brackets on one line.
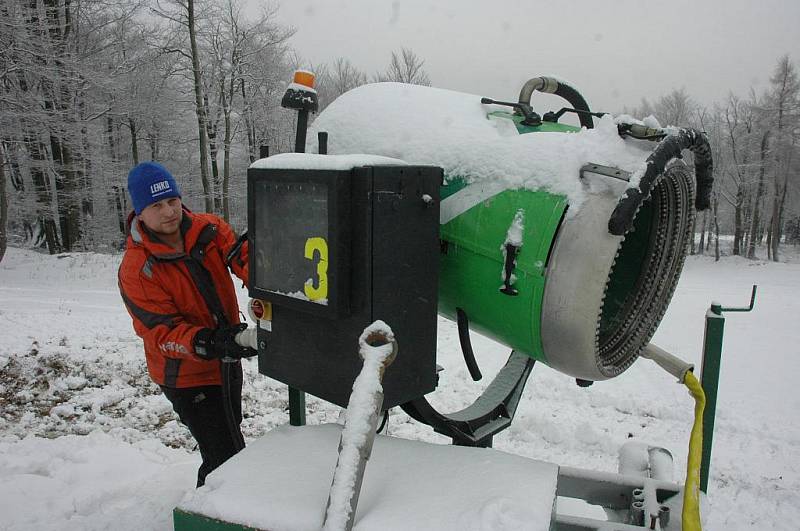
[(89, 88)]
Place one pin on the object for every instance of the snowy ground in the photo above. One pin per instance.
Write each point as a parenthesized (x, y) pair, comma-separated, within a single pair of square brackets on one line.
[(87, 442)]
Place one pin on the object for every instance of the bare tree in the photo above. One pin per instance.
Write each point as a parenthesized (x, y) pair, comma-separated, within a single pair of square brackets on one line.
[(405, 67), (345, 76)]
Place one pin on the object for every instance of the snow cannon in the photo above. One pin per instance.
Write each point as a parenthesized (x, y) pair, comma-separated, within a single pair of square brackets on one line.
[(563, 243)]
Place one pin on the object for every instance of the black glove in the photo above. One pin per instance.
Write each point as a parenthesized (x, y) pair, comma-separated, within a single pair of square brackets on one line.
[(217, 343)]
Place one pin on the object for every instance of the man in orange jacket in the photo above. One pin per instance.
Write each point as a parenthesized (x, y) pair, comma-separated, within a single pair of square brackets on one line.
[(176, 285)]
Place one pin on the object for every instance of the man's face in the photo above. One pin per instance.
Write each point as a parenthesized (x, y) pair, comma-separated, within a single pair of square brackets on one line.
[(163, 217)]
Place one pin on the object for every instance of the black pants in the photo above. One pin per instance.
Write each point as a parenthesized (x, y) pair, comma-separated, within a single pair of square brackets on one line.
[(201, 409)]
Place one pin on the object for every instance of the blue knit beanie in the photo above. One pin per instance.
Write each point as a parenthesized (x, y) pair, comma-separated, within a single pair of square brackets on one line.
[(150, 182)]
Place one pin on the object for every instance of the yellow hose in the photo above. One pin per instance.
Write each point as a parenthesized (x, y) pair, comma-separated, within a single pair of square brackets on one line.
[(691, 491)]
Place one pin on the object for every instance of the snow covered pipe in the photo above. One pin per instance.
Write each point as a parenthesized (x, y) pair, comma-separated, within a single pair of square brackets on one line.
[(551, 85), (378, 348), (668, 149), (672, 364)]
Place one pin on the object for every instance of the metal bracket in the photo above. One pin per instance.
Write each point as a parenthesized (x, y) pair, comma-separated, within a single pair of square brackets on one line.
[(631, 503), (608, 171), (490, 413), (717, 308)]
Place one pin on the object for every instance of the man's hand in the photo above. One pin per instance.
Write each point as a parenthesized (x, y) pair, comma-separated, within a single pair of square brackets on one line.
[(217, 343), (248, 338)]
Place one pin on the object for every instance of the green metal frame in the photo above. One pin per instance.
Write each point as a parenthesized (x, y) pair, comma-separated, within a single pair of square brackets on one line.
[(188, 521), (712, 360)]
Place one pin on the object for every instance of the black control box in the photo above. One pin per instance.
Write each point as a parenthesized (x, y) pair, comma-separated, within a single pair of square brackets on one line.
[(334, 250)]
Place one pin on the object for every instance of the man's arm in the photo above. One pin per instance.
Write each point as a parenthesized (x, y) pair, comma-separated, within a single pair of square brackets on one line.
[(155, 318)]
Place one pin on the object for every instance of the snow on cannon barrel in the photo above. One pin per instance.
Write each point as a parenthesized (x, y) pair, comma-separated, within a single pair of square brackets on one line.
[(563, 243)]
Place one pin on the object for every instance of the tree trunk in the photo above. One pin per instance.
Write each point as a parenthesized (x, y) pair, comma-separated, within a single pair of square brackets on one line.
[(44, 194), (199, 110), (226, 163), (737, 224), (117, 197), (10, 149), (773, 241), (112, 141), (701, 248), (67, 192), (85, 171), (248, 121), (716, 227), (769, 239), (748, 220), (134, 141), (152, 140), (778, 211), (3, 206), (756, 221), (212, 129)]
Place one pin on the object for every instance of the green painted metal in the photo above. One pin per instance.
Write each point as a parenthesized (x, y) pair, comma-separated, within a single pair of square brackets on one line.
[(470, 269), (545, 127), (187, 521), (297, 407), (709, 380), (712, 357)]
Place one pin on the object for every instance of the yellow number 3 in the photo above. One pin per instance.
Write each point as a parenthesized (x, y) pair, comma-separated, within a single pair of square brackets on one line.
[(321, 291)]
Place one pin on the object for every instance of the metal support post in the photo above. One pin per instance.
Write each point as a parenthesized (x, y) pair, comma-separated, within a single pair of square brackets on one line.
[(302, 126), (297, 407), (712, 356), (712, 359)]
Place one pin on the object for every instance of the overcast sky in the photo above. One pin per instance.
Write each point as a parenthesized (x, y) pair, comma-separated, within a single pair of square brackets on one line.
[(614, 52)]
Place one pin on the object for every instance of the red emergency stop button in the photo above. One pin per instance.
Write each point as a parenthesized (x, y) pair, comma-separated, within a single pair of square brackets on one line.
[(260, 310)]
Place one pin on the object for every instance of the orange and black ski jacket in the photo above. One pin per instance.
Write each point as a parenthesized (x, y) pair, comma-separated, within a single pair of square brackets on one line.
[(172, 295)]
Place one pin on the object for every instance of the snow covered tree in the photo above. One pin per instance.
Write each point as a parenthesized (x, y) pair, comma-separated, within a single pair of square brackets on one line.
[(235, 45), (183, 20), (737, 138), (782, 111), (45, 111)]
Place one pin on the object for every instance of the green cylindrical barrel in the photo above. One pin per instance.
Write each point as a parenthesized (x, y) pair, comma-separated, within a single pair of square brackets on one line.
[(576, 296), (472, 265), (583, 300), (472, 262)]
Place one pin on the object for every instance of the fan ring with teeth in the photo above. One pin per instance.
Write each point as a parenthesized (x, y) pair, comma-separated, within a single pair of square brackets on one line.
[(605, 295)]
